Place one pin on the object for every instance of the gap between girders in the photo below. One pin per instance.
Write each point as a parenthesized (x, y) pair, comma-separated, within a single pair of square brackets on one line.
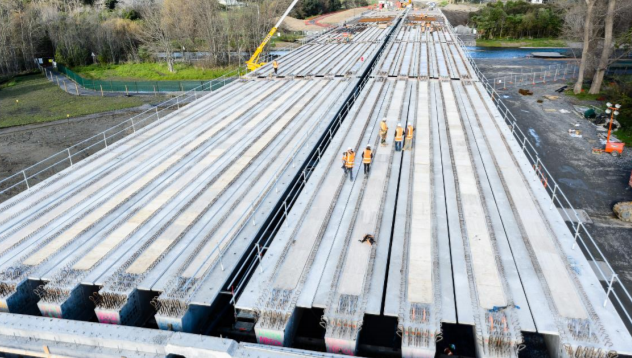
[(399, 178)]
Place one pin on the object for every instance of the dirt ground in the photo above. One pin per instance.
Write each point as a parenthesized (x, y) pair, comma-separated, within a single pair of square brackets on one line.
[(461, 7), (457, 18), (459, 14), (340, 17), (23, 146), (293, 24), (593, 183)]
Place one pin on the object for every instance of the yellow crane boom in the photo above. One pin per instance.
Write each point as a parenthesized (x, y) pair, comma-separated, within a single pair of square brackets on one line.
[(253, 63)]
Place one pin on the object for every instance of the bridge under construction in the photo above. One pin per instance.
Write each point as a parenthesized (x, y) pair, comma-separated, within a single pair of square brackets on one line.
[(237, 203)]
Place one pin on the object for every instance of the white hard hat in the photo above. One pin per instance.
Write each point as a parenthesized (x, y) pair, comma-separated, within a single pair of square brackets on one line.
[(368, 146), (349, 148), (399, 124), (384, 120)]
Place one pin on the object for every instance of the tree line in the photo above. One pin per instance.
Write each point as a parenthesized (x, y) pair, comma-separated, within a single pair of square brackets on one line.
[(308, 8), (602, 26), (517, 19), (73, 30)]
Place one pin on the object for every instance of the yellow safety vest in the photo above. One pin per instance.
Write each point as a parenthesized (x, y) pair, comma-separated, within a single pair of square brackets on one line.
[(383, 127), (275, 64), (350, 160), (409, 132), (399, 134), (366, 157)]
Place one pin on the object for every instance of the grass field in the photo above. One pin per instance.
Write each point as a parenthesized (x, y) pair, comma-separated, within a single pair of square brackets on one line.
[(286, 36), (149, 72), (546, 42), (38, 100), (624, 135)]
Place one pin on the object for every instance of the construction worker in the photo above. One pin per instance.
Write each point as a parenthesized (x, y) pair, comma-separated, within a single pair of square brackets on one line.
[(408, 144), (399, 137), (367, 158), (350, 162), (383, 131), (275, 65), (344, 160)]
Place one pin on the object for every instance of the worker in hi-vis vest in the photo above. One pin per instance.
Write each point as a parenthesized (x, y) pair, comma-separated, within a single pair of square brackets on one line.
[(383, 131), (408, 144), (275, 65), (344, 160), (350, 162), (399, 137), (367, 158)]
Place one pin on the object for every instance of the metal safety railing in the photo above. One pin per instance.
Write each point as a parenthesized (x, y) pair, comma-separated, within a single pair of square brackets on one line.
[(261, 245), (581, 236), (27, 177), (240, 276), (551, 74), (247, 215)]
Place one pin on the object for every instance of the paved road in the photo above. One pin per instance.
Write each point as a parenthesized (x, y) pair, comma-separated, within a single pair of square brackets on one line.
[(592, 183)]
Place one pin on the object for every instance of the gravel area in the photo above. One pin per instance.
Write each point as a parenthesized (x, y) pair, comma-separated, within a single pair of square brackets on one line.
[(21, 147), (593, 183)]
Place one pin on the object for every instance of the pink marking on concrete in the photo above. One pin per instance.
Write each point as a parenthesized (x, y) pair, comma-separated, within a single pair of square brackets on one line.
[(270, 338), (340, 346), (108, 317)]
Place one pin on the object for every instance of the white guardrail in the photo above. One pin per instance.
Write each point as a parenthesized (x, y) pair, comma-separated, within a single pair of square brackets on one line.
[(582, 236)]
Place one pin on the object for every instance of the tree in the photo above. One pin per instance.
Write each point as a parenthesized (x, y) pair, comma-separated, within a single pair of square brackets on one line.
[(307, 8), (588, 25), (606, 51), (516, 19), (157, 32)]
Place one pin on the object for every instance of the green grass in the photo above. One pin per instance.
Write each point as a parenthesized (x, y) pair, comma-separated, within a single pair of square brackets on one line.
[(624, 135), (544, 42), (150, 72), (41, 101), (584, 95), (287, 37)]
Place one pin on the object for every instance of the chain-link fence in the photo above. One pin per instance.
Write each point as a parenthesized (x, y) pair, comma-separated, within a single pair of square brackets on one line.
[(150, 86), (40, 171), (614, 289), (552, 74)]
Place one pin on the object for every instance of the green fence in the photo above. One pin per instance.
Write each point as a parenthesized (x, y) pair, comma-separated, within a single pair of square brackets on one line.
[(149, 86)]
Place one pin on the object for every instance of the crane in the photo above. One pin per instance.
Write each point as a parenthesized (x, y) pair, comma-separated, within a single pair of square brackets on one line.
[(253, 63)]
